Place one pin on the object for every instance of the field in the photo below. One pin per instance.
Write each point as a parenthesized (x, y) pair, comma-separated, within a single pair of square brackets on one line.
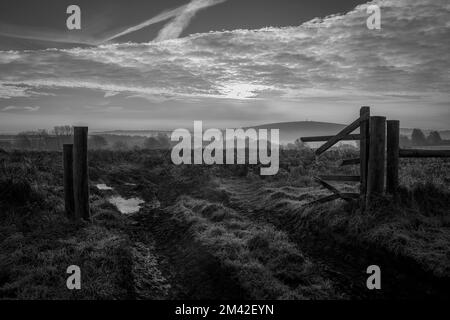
[(224, 232)]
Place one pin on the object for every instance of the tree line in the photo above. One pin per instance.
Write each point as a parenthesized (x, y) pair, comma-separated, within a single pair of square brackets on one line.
[(418, 138), (53, 140)]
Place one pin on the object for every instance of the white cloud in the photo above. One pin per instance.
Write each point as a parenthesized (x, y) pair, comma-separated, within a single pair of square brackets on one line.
[(174, 28), (8, 108), (331, 59), (158, 18), (26, 108), (32, 109), (109, 94)]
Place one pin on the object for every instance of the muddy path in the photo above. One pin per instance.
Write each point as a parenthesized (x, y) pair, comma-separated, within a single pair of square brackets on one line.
[(206, 250), (185, 268), (194, 271)]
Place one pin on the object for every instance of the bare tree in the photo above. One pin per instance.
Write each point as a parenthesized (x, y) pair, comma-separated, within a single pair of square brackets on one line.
[(63, 134)]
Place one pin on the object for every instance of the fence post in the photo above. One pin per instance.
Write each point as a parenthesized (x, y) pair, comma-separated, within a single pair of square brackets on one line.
[(364, 154), (68, 180), (80, 173), (393, 149), (377, 152)]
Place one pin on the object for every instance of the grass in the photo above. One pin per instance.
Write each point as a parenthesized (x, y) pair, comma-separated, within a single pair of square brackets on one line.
[(37, 243), (263, 260), (415, 225), (226, 227)]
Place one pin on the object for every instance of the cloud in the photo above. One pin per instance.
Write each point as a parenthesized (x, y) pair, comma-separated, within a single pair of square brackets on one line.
[(159, 18), (174, 28), (181, 17), (26, 108), (325, 61), (32, 109), (44, 34), (109, 94)]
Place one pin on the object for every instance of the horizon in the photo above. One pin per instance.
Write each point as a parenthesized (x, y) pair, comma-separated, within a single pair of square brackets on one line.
[(112, 131)]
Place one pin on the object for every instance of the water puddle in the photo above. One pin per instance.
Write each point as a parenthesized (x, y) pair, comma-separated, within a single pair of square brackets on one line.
[(103, 186), (126, 206)]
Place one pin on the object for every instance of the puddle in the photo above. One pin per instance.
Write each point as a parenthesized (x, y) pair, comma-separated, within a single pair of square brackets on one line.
[(103, 187), (126, 206)]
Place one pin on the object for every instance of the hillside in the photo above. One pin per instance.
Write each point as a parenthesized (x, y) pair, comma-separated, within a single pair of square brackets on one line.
[(290, 131)]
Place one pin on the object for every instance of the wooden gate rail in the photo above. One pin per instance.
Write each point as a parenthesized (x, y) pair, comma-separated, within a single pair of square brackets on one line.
[(350, 162), (344, 196), (341, 178), (349, 137), (346, 135), (341, 135)]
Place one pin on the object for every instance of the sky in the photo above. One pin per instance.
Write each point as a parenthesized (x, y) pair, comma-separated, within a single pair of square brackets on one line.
[(163, 64)]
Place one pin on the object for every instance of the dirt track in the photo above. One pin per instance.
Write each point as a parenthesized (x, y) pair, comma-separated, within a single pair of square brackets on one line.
[(189, 258)]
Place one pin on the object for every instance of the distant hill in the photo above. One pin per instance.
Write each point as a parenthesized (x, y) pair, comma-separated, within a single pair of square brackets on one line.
[(138, 133), (291, 131)]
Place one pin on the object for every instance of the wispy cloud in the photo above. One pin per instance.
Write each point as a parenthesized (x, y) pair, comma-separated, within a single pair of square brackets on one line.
[(174, 28), (44, 34), (181, 17), (26, 108), (321, 63), (324, 57), (159, 18)]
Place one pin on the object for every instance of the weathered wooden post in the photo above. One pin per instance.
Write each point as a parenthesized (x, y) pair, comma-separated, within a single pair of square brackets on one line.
[(377, 152), (393, 151), (364, 152), (68, 180), (80, 173)]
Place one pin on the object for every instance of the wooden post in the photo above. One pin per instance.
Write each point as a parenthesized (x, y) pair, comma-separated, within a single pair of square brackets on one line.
[(393, 148), (68, 180), (364, 144), (80, 173), (377, 152)]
